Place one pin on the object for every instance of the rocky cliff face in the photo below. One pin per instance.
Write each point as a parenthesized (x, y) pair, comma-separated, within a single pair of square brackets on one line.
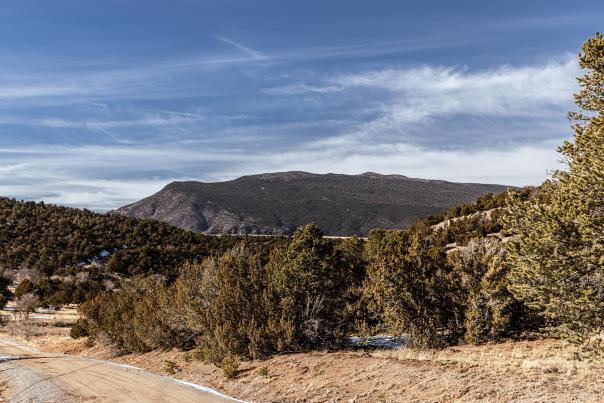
[(278, 203)]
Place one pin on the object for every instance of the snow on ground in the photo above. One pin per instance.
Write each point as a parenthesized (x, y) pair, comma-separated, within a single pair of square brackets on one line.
[(383, 341)]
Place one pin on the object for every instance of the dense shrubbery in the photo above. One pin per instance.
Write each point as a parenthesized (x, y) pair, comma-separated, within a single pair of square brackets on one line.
[(490, 310), (313, 292), (48, 238), (239, 304), (437, 298), (410, 281)]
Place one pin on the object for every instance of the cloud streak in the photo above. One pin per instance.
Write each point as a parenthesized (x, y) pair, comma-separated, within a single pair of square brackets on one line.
[(440, 106), (247, 50)]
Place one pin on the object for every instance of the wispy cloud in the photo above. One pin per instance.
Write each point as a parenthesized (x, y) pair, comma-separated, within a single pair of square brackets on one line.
[(247, 50), (297, 89), (445, 106)]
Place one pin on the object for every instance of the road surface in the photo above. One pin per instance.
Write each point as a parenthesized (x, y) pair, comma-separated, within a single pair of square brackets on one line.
[(27, 375)]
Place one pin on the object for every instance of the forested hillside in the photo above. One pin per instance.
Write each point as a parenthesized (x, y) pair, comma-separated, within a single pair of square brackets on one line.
[(53, 245), (279, 203)]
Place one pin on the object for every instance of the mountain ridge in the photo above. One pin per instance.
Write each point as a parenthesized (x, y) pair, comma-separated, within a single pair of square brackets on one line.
[(279, 202)]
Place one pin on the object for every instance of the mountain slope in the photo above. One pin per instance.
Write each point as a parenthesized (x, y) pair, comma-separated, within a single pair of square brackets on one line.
[(278, 203)]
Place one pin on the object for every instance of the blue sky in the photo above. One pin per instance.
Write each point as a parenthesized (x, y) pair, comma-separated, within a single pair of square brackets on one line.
[(104, 102)]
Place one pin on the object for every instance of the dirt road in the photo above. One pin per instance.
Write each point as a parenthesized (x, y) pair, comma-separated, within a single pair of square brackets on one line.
[(28, 375)]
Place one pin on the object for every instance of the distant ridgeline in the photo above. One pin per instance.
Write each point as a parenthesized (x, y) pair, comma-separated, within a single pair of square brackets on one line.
[(279, 203)]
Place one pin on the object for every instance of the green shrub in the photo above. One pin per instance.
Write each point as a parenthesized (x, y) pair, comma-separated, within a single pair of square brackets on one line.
[(556, 256), (491, 312), (235, 310), (79, 329), (230, 367), (309, 292), (171, 367)]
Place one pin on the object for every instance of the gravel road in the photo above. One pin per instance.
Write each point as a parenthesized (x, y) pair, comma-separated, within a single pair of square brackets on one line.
[(33, 376)]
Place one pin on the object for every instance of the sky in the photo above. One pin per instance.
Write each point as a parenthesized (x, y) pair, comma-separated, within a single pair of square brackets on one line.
[(105, 102)]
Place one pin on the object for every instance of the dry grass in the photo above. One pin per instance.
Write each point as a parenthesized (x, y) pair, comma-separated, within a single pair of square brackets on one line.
[(548, 355), (42, 323)]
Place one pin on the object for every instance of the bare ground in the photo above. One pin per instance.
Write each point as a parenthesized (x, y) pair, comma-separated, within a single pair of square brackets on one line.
[(51, 377), (528, 371)]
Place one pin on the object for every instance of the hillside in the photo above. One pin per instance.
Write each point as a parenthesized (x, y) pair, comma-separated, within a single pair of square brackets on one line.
[(278, 203), (67, 254)]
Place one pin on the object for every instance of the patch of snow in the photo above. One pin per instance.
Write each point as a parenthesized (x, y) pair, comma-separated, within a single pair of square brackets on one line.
[(206, 389), (40, 316), (387, 342)]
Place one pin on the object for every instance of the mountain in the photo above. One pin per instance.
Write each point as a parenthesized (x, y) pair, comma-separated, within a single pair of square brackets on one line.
[(278, 203)]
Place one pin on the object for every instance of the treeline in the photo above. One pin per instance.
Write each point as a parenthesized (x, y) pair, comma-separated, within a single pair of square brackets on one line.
[(312, 293)]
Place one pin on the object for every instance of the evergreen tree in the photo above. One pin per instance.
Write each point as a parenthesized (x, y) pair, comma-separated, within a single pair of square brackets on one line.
[(557, 255), (490, 309), (308, 289), (410, 281)]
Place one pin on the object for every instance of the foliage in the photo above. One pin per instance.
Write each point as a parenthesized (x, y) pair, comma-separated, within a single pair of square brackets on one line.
[(411, 281), (79, 329), (49, 238), (239, 304), (67, 255), (111, 314), (308, 291), (557, 256), (171, 367), (235, 310), (491, 312), (230, 367)]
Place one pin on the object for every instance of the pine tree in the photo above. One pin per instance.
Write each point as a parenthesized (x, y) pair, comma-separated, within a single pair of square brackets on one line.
[(413, 286), (308, 289), (557, 255)]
